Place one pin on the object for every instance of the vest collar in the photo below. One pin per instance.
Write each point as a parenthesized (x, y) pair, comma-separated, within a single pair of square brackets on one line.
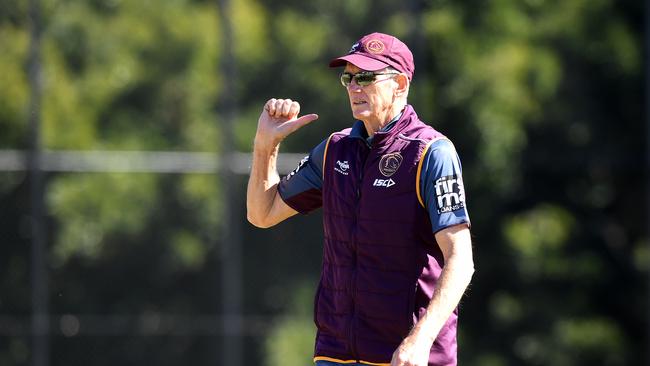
[(383, 136), (392, 129)]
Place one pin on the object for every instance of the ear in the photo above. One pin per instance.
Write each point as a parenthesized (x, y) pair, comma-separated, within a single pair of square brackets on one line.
[(402, 85)]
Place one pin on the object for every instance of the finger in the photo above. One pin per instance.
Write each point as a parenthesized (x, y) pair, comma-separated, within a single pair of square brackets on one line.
[(279, 104), (294, 110), (292, 126), (286, 107), (277, 108), (273, 110), (270, 106)]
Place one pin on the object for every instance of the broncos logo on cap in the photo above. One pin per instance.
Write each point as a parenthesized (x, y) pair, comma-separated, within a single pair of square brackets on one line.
[(375, 46)]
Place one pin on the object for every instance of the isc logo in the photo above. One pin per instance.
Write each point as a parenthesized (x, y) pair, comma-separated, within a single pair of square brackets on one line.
[(384, 183)]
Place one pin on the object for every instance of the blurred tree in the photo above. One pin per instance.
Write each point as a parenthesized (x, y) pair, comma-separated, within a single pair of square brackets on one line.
[(543, 100), (291, 341)]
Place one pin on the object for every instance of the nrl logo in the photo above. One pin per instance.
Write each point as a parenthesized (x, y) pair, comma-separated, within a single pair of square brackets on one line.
[(389, 164), (342, 167), (355, 47)]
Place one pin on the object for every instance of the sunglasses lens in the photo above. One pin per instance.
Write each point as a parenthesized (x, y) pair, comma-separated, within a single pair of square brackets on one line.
[(346, 78), (365, 78)]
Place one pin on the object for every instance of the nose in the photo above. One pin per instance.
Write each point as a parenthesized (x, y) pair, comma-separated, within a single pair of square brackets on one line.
[(353, 86)]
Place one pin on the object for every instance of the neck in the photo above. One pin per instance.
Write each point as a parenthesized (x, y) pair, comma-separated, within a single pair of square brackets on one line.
[(374, 125)]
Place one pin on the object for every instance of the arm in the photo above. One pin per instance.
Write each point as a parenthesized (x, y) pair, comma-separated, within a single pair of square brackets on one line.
[(278, 119), (456, 246)]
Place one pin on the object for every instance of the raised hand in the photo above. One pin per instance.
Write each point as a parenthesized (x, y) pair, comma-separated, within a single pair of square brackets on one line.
[(279, 119)]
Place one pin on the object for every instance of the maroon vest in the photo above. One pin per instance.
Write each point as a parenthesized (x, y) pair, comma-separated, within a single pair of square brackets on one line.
[(380, 258)]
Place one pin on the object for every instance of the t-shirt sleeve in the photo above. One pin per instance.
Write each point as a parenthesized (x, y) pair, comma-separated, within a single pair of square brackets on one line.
[(443, 192), (302, 188)]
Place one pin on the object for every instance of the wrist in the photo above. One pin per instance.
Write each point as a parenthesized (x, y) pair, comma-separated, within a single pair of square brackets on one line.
[(422, 336), (265, 147)]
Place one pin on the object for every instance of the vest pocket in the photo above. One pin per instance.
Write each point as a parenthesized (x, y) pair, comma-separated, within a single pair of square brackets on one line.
[(316, 301), (413, 314)]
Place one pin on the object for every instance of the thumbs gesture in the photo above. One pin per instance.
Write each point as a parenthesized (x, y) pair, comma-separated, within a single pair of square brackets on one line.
[(279, 119)]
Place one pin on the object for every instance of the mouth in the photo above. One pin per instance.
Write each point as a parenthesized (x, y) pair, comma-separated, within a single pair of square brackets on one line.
[(358, 102)]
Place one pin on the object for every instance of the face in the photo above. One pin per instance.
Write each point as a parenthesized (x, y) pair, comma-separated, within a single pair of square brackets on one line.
[(372, 104)]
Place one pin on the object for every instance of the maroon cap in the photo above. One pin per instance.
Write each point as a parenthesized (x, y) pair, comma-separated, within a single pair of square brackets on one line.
[(377, 51)]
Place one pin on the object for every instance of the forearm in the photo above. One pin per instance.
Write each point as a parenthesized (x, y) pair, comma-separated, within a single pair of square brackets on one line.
[(262, 184)]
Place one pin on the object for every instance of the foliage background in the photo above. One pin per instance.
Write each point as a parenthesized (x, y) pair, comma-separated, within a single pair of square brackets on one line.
[(544, 100)]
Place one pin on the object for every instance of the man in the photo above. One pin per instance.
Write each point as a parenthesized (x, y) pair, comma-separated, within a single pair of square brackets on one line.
[(397, 253)]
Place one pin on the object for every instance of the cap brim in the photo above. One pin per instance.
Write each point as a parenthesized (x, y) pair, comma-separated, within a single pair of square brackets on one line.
[(360, 61)]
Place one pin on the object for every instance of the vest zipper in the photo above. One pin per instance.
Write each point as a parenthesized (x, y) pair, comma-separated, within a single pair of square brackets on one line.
[(353, 320), (353, 287)]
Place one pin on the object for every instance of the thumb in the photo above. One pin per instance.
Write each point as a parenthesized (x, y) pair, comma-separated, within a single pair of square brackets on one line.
[(307, 118), (299, 122)]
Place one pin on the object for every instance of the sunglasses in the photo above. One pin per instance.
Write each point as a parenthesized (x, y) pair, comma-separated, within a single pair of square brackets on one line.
[(363, 78)]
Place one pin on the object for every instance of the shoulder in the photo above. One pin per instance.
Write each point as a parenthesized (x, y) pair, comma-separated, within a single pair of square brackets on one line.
[(441, 146), (339, 135), (335, 141), (440, 151), (433, 139), (343, 132), (420, 130)]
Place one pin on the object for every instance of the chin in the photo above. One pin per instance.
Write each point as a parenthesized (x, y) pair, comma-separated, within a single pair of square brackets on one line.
[(362, 114)]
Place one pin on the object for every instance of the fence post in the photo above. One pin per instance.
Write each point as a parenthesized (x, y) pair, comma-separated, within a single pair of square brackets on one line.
[(40, 327), (231, 257)]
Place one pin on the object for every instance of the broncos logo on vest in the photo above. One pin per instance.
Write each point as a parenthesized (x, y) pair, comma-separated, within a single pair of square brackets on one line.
[(389, 164)]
